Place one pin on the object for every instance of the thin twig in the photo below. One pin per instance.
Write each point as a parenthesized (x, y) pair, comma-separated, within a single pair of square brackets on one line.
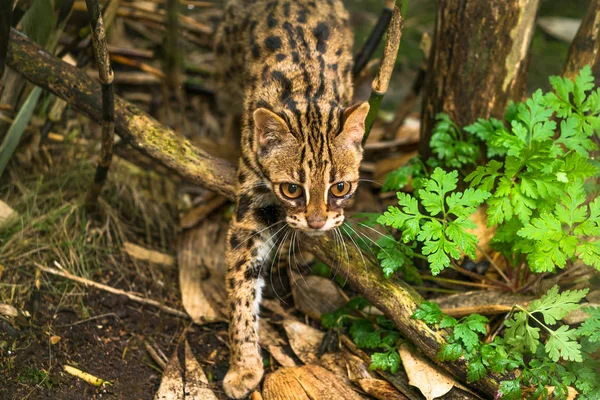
[(154, 355), (107, 76), (493, 263), (382, 80), (113, 290), (83, 321)]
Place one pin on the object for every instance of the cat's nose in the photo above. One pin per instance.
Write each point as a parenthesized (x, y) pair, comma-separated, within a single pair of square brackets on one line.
[(315, 222)]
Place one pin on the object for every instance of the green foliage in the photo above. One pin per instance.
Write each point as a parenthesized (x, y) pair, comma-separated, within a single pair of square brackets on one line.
[(452, 148), (443, 230), (374, 333), (554, 357)]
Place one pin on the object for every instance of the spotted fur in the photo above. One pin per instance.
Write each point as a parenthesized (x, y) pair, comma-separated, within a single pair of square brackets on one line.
[(285, 68)]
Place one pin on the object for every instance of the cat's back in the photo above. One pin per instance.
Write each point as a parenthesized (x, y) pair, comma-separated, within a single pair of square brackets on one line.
[(257, 36)]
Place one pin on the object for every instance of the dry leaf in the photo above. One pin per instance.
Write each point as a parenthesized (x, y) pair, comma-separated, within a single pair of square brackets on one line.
[(200, 257), (196, 383), (485, 302), (308, 382), (380, 389), (8, 310), (171, 385), (6, 213), (2, 268), (483, 233), (280, 356), (315, 295), (143, 254), (421, 374), (54, 339), (304, 340)]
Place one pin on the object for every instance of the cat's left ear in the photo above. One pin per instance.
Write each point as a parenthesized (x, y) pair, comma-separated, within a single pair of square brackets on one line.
[(270, 128), (354, 123)]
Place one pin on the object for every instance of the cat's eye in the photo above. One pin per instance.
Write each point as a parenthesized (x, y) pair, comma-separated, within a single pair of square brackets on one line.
[(340, 189), (291, 190)]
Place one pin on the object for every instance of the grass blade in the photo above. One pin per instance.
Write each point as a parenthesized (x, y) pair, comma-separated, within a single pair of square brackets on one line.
[(15, 132)]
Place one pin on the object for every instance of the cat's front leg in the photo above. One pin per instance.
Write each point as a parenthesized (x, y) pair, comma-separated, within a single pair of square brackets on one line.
[(246, 254)]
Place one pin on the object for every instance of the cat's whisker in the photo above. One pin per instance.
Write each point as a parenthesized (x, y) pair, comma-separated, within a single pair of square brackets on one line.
[(259, 232), (361, 236), (296, 264), (347, 257), (270, 249), (371, 181), (273, 262), (355, 245)]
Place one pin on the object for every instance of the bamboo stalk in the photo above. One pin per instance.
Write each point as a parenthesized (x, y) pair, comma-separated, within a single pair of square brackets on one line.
[(107, 76), (382, 80)]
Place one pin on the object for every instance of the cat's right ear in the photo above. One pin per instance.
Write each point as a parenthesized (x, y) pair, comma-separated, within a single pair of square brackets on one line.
[(270, 128)]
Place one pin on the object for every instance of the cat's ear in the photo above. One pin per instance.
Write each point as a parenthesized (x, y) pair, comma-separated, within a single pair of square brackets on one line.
[(270, 128), (354, 123)]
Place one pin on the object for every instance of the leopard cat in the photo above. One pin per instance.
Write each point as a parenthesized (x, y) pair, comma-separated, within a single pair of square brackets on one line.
[(284, 67)]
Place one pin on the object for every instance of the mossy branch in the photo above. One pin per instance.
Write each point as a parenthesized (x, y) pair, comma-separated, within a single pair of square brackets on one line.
[(393, 297)]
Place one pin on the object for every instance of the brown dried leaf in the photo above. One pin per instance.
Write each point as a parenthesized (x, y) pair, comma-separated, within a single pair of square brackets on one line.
[(171, 385), (143, 254), (421, 374), (304, 340), (8, 310), (200, 256), (380, 389), (315, 295), (54, 339), (6, 213), (196, 383), (308, 382)]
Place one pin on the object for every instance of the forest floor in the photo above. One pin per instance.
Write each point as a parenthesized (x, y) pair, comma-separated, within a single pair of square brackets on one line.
[(60, 322)]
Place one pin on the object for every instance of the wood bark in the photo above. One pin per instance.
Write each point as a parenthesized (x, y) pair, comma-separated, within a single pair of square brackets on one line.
[(585, 47), (393, 297), (478, 60)]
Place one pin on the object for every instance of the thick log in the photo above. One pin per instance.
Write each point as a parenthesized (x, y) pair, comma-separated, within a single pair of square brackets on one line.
[(393, 297), (585, 47), (477, 62)]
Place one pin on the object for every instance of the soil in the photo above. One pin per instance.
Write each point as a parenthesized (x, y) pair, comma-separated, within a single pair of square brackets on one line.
[(110, 348)]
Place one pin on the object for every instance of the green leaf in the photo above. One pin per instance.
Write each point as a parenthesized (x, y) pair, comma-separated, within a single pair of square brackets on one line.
[(562, 343), (364, 335), (428, 312), (450, 352), (554, 305), (397, 179), (39, 21), (386, 361), (575, 138), (591, 326), (475, 371), (511, 390), (520, 334), (16, 130)]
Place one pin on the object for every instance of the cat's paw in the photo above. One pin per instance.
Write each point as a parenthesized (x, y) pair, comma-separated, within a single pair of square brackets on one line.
[(242, 378)]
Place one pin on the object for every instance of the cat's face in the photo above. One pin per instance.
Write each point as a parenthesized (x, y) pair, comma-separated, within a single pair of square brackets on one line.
[(312, 165)]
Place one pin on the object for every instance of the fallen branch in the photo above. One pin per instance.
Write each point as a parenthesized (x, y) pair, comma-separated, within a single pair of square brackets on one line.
[(106, 288), (393, 297)]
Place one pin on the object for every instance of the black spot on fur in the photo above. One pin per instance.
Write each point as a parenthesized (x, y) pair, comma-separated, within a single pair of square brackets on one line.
[(301, 15), (286, 10), (255, 51), (338, 52), (280, 57), (243, 205), (272, 21), (285, 84), (242, 177), (268, 215), (321, 33), (248, 303), (239, 265), (273, 43), (295, 57), (251, 273), (234, 240)]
